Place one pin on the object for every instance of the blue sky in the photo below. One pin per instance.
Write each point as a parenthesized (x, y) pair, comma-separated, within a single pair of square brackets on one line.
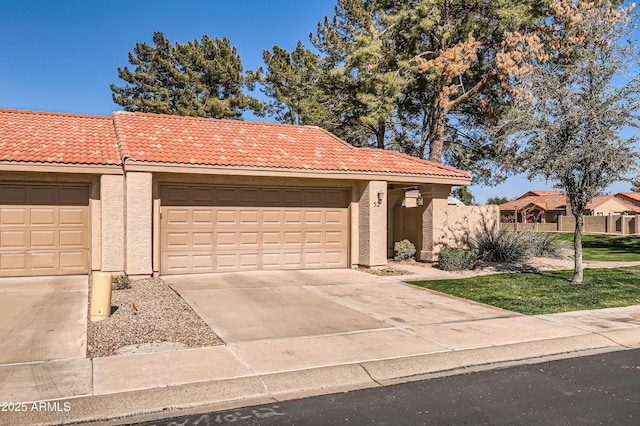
[(61, 56)]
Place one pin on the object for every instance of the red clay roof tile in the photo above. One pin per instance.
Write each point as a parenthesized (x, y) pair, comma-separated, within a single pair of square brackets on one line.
[(187, 140), (44, 137)]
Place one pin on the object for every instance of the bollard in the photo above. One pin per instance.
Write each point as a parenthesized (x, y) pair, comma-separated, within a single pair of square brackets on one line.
[(100, 296)]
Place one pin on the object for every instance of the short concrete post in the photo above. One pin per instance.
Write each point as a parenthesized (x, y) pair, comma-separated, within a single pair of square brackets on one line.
[(100, 296)]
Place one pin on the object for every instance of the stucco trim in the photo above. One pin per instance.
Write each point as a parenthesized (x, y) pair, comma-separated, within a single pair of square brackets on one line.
[(291, 173)]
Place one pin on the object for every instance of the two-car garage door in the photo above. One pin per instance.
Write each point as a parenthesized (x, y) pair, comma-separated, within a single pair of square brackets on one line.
[(215, 229), (44, 229)]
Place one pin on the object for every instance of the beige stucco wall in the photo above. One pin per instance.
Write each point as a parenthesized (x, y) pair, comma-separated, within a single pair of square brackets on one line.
[(610, 207), (373, 225), (456, 226), (139, 215), (435, 201), (112, 223)]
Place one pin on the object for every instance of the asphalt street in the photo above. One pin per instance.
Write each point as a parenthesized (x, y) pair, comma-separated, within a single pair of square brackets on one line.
[(599, 389)]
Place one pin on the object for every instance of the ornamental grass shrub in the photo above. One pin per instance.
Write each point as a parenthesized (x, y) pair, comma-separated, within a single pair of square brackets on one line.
[(511, 246)]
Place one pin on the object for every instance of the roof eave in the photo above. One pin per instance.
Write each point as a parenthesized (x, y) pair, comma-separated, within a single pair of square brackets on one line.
[(139, 166), (28, 166)]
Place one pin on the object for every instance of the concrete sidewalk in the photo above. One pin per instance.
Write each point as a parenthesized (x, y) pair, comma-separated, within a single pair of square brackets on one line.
[(399, 343)]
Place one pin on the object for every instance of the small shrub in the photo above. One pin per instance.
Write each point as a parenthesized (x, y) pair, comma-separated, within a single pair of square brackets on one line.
[(457, 259), (404, 250), (121, 282), (502, 246)]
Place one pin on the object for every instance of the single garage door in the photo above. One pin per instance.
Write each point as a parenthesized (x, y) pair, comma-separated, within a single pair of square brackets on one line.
[(217, 229), (44, 229)]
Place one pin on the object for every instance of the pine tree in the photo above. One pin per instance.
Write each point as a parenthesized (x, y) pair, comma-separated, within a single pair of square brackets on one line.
[(425, 77), (201, 78)]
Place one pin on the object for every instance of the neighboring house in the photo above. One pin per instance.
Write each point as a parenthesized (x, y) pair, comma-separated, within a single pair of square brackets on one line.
[(156, 194), (546, 206), (606, 205), (534, 206), (631, 199)]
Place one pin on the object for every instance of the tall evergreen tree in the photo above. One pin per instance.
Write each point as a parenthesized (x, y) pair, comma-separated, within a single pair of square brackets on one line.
[(293, 81), (201, 78), (425, 77)]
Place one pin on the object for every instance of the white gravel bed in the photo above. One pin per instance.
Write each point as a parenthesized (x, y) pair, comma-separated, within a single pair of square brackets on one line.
[(161, 316)]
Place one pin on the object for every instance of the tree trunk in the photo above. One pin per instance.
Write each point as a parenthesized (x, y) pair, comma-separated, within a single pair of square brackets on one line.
[(436, 133), (380, 134), (577, 247)]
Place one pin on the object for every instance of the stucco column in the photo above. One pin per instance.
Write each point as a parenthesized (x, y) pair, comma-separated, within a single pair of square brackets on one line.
[(139, 214), (373, 225), (112, 223), (435, 203)]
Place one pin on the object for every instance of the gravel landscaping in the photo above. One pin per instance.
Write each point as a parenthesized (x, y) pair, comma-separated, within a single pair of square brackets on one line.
[(161, 316)]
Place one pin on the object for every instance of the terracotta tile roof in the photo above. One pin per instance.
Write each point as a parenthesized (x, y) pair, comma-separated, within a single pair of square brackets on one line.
[(553, 200), (200, 141), (44, 137), (632, 195), (540, 193)]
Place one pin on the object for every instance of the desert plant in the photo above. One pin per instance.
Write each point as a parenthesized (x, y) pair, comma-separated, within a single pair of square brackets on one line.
[(544, 244), (456, 259), (404, 250), (502, 246), (121, 282)]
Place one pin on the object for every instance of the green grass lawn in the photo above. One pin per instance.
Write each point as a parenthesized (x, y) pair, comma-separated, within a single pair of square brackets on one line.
[(547, 292), (607, 247)]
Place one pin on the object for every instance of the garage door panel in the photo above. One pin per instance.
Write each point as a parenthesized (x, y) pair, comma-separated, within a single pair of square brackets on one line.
[(43, 238), (13, 240), (72, 216), (49, 234), (174, 216), (334, 258), (13, 262), (202, 262), (202, 217), (13, 216), (72, 259), (43, 216), (254, 228), (226, 217), (202, 240), (68, 238), (292, 217)]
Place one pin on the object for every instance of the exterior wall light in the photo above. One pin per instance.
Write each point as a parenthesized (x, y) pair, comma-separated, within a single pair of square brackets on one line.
[(380, 197)]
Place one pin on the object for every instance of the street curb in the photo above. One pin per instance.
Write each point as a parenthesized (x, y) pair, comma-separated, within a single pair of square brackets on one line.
[(171, 401)]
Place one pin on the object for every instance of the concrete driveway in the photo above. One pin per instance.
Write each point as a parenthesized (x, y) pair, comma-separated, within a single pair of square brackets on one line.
[(43, 318), (299, 319)]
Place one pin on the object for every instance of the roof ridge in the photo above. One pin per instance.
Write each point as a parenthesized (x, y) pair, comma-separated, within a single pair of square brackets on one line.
[(120, 137), (227, 120), (52, 113)]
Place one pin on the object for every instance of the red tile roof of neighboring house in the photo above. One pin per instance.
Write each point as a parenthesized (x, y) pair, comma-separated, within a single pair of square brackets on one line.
[(541, 193), (633, 195), (157, 138), (549, 200), (44, 137)]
